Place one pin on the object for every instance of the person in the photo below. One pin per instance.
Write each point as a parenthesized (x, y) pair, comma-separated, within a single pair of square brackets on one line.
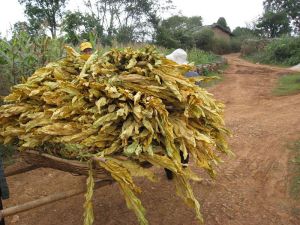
[(180, 57), (4, 192), (86, 50), (184, 163)]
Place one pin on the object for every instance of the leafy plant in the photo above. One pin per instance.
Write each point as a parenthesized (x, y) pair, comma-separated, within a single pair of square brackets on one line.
[(23, 54), (283, 51)]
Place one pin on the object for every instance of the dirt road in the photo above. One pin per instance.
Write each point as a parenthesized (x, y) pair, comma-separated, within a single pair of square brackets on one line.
[(251, 188)]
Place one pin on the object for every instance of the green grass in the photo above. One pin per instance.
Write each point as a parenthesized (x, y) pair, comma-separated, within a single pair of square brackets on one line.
[(288, 84), (295, 170), (201, 57), (214, 81), (261, 59)]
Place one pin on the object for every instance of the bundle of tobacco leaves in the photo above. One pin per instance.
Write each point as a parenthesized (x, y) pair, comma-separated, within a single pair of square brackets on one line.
[(130, 103)]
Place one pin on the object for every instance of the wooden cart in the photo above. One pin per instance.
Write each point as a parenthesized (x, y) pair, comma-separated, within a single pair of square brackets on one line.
[(36, 160)]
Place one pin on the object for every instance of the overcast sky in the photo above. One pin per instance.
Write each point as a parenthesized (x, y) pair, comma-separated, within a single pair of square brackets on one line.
[(236, 12)]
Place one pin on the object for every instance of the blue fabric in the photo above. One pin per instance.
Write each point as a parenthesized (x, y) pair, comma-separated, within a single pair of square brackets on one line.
[(192, 74)]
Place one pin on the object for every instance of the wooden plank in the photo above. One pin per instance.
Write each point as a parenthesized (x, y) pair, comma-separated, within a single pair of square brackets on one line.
[(72, 166), (20, 170), (49, 199)]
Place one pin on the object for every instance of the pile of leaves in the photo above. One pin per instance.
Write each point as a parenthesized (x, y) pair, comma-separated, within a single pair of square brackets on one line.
[(121, 108)]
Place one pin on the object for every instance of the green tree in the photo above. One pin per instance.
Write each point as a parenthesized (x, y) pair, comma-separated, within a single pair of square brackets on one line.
[(78, 26), (130, 20), (240, 34), (20, 27), (290, 7), (273, 24), (243, 32), (178, 31), (45, 13), (222, 22), (204, 39), (125, 34)]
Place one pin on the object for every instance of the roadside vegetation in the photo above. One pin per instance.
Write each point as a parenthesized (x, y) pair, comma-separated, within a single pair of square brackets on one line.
[(284, 51), (214, 78), (288, 84), (294, 186)]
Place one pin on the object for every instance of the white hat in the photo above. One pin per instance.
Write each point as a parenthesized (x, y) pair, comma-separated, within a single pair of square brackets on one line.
[(179, 56)]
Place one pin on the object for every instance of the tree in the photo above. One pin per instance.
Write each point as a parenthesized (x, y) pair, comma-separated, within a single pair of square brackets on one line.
[(273, 24), (243, 32), (78, 26), (117, 17), (20, 27), (222, 22), (44, 13), (204, 39), (178, 31), (290, 7)]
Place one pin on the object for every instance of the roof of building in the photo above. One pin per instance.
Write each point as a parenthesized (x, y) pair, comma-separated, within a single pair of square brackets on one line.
[(215, 25)]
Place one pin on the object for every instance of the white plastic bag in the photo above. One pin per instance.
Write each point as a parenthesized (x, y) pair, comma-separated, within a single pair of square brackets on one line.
[(179, 56)]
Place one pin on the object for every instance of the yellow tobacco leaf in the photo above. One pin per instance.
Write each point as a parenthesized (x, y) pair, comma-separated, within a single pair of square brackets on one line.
[(132, 63), (124, 179), (59, 129), (88, 205), (184, 190), (106, 118)]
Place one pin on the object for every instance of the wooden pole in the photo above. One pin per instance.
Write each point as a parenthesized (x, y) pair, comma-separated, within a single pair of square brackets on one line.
[(20, 170), (49, 199)]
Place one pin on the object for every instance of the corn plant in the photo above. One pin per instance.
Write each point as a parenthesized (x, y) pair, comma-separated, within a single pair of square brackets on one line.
[(23, 54)]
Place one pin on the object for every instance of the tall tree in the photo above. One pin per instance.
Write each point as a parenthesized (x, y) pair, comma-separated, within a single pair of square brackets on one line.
[(290, 7), (273, 24), (222, 22), (44, 13), (79, 26), (177, 31), (244, 32), (121, 17)]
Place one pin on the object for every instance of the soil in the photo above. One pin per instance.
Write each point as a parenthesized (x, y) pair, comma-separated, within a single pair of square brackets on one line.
[(250, 188)]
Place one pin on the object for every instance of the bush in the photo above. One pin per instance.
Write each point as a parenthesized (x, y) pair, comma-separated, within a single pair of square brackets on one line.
[(204, 39), (281, 51), (221, 46), (285, 51), (253, 46)]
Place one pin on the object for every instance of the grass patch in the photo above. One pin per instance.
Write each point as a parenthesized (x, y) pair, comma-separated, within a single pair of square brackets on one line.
[(214, 74), (210, 83), (288, 84), (295, 170), (260, 59), (198, 56)]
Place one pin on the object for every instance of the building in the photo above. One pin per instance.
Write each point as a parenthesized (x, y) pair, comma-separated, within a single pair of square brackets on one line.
[(220, 32)]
